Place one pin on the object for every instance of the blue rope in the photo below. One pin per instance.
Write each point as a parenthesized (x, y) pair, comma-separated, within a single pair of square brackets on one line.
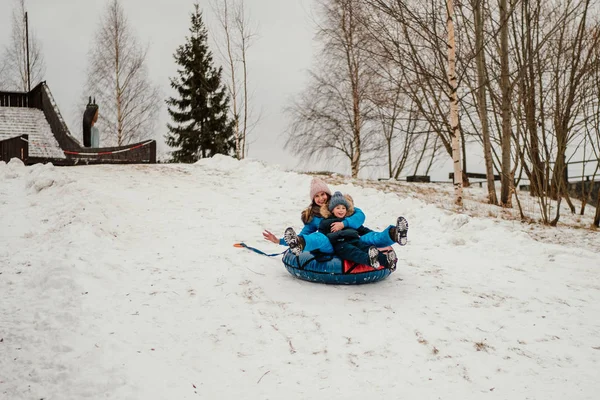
[(258, 251)]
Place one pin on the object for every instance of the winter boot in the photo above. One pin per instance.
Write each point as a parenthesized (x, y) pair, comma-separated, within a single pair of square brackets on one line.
[(401, 231), (373, 255), (392, 259), (295, 242)]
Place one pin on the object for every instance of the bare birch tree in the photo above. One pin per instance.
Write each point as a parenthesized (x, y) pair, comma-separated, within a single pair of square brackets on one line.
[(482, 99), (416, 38), (238, 37), (458, 184), (14, 66), (388, 108), (506, 178), (531, 59), (333, 113), (118, 80), (404, 135), (574, 57)]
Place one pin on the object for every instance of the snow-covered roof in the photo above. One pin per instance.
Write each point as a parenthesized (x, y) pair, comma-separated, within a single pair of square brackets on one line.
[(16, 121)]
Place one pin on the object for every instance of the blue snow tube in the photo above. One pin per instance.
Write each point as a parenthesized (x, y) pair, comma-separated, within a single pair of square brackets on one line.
[(330, 269)]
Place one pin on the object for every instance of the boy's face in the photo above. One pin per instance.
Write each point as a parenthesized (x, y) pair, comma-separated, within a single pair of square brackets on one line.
[(339, 211)]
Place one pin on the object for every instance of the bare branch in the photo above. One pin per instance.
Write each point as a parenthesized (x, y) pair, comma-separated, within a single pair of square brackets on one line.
[(238, 37), (118, 79), (14, 59)]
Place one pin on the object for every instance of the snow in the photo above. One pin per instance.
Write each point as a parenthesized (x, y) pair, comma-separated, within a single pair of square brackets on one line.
[(16, 121), (122, 282)]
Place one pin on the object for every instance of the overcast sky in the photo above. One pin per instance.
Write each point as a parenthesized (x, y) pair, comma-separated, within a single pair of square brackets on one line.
[(278, 60)]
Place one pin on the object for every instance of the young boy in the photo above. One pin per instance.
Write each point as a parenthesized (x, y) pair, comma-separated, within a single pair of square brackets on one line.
[(346, 242)]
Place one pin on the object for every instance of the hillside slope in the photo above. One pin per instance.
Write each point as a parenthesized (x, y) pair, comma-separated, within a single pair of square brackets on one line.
[(122, 282)]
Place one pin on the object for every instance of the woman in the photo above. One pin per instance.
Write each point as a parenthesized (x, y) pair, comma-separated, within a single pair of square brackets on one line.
[(310, 239)]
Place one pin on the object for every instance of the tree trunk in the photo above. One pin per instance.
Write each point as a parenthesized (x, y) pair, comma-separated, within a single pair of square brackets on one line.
[(454, 126), (528, 89), (357, 139), (245, 74), (348, 27), (465, 177), (554, 222), (597, 216), (118, 99), (482, 105), (233, 90), (389, 156), (560, 176), (505, 195)]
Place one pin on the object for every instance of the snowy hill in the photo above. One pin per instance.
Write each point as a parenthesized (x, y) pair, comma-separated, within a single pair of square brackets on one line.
[(122, 282)]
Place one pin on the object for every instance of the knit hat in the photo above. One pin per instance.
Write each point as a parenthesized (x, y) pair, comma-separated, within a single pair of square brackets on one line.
[(317, 186), (337, 199)]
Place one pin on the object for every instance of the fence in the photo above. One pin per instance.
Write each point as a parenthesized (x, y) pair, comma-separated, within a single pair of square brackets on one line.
[(14, 99), (143, 152), (582, 172)]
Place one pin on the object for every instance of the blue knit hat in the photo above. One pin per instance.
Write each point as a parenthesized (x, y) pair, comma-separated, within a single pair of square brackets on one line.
[(337, 199)]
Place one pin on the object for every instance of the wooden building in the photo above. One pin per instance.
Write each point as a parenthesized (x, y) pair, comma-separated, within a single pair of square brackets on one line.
[(33, 130)]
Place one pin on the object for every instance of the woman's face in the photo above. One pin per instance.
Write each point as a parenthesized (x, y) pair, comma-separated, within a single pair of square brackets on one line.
[(320, 198)]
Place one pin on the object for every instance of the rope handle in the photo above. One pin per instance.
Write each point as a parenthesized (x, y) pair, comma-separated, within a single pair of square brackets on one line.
[(244, 245)]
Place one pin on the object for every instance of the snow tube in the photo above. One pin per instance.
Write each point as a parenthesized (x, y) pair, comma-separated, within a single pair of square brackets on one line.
[(331, 269)]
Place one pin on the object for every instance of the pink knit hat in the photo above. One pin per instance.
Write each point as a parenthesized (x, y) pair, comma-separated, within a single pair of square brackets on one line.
[(317, 186)]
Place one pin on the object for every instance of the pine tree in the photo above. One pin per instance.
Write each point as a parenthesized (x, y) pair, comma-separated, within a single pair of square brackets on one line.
[(201, 126)]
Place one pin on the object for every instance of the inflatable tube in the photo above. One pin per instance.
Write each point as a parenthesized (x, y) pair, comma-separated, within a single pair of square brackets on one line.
[(331, 270)]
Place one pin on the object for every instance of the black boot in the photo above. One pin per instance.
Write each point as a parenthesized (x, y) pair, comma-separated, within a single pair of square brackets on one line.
[(392, 259), (401, 231), (373, 255), (295, 242)]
